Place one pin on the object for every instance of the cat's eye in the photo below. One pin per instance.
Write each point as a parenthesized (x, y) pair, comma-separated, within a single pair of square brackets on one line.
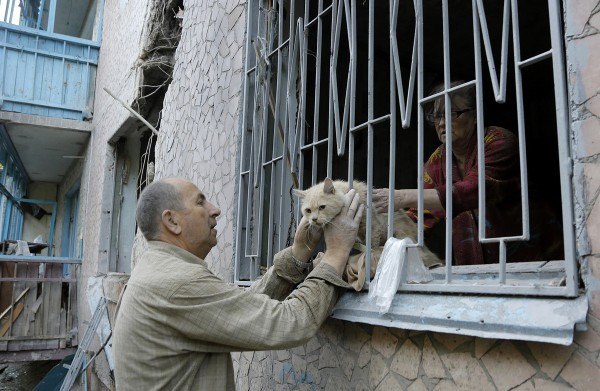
[(321, 207), (307, 210)]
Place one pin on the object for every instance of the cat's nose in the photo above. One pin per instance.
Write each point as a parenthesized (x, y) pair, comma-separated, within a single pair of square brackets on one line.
[(314, 219)]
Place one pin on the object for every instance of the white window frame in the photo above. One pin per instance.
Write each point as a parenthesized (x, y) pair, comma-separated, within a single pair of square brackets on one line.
[(259, 168)]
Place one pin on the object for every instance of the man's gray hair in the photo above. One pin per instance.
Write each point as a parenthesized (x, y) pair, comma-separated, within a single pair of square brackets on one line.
[(154, 200)]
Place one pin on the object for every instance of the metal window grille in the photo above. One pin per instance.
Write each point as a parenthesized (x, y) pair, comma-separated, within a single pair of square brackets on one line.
[(286, 101)]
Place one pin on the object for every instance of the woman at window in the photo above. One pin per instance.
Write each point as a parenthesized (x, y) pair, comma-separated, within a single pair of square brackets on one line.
[(503, 212)]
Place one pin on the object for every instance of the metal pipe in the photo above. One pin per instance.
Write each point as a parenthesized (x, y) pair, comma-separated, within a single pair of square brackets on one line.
[(448, 124)]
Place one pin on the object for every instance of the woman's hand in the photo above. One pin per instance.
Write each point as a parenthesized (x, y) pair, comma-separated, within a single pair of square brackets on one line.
[(306, 239), (381, 199), (405, 198)]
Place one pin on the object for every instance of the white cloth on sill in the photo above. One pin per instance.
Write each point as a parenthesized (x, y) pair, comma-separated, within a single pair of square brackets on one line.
[(399, 262)]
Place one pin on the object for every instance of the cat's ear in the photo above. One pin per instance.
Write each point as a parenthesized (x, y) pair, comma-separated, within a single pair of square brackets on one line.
[(328, 186), (299, 193)]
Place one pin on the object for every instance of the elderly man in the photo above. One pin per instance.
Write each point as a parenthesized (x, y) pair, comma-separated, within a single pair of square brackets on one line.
[(178, 322)]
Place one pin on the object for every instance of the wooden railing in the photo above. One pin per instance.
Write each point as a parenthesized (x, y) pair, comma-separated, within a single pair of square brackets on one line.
[(38, 307), (46, 74)]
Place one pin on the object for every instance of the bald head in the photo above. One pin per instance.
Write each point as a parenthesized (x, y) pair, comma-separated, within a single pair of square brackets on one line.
[(161, 195)]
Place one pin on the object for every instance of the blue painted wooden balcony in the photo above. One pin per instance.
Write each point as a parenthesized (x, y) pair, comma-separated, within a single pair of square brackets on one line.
[(43, 72)]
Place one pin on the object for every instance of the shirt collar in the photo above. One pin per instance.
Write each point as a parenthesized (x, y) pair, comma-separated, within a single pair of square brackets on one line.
[(175, 251)]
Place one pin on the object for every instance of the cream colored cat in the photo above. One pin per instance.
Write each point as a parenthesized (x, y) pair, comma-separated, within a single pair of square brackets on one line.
[(325, 200)]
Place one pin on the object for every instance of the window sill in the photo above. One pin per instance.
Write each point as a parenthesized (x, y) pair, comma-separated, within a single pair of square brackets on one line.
[(538, 319)]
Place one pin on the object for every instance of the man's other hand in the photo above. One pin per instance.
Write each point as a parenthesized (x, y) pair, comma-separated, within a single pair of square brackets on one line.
[(306, 239)]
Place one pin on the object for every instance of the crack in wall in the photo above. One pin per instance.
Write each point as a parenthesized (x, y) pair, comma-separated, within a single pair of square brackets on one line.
[(588, 28)]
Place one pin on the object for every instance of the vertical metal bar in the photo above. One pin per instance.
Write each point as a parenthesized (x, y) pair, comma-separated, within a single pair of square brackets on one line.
[(52, 16), (239, 249), (371, 92), (420, 120), (392, 171), (520, 121), (352, 96), (316, 121), (480, 128), (277, 115), (303, 71), (448, 124), (502, 279), (275, 129), (334, 6), (562, 127), (283, 190)]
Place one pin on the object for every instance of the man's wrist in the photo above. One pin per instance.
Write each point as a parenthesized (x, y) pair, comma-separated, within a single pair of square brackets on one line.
[(301, 258), (336, 258)]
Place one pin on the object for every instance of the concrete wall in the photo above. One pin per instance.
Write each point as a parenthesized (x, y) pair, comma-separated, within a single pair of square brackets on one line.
[(200, 125)]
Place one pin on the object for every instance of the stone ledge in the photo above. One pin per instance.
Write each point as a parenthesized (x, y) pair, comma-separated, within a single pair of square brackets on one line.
[(539, 319), (51, 122)]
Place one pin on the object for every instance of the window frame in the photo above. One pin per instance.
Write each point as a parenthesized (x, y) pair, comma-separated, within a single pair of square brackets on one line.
[(258, 59)]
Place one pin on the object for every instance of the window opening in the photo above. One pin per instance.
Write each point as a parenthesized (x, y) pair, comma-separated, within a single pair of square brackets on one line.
[(329, 91)]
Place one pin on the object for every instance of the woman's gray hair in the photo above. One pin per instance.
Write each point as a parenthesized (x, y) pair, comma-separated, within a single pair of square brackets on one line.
[(154, 200), (466, 93)]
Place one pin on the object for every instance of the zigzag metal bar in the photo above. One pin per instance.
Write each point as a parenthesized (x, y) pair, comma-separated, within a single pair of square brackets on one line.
[(499, 89), (405, 104), (341, 132)]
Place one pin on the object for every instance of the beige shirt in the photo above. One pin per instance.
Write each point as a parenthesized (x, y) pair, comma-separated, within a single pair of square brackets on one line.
[(178, 321)]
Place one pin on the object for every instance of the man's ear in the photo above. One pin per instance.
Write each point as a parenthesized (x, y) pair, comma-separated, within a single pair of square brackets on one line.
[(170, 221)]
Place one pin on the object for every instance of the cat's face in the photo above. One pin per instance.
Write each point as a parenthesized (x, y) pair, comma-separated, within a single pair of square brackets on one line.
[(321, 203)]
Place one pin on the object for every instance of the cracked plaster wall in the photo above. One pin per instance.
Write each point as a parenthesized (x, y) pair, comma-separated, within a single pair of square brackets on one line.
[(583, 61), (199, 129)]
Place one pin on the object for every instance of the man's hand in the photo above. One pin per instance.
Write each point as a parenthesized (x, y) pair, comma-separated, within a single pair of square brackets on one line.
[(340, 233), (306, 239)]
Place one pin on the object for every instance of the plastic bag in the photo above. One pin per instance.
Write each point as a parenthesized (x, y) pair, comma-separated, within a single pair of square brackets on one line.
[(38, 239), (398, 262)]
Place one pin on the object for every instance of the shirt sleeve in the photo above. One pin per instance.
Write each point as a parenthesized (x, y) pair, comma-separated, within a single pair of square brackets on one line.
[(228, 318), (281, 279), (501, 174)]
